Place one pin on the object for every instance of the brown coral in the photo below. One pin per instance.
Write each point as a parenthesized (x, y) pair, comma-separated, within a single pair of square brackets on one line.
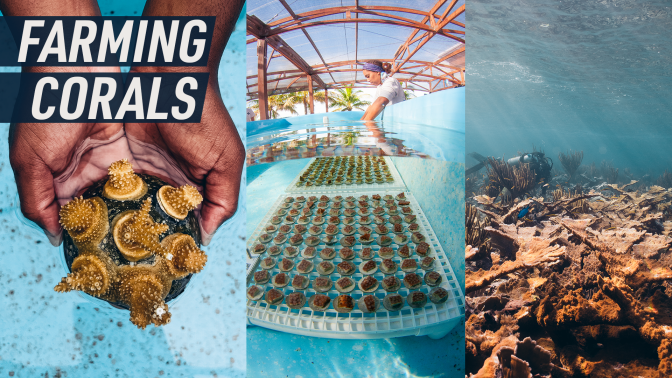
[(578, 205), (610, 173), (136, 234), (536, 252), (609, 291), (177, 202), (123, 184), (571, 161), (491, 365), (85, 220), (665, 179), (517, 180), (572, 310), (476, 237), (665, 356)]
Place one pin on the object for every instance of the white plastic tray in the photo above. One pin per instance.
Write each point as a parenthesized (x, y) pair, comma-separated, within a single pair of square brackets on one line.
[(398, 183), (432, 320)]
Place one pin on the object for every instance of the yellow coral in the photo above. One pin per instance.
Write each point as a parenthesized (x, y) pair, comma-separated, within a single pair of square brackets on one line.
[(143, 289), (85, 220), (90, 274), (137, 235), (123, 183), (177, 202), (183, 256)]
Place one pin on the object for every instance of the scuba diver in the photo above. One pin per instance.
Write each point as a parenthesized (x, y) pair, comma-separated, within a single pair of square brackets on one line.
[(539, 163)]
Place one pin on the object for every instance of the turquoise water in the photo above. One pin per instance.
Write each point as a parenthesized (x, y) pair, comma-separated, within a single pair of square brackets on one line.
[(44, 333), (345, 137), (436, 185), (582, 75), (430, 126)]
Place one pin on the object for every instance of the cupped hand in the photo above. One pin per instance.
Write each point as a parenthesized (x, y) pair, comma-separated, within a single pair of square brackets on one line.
[(209, 153), (52, 161), (40, 153)]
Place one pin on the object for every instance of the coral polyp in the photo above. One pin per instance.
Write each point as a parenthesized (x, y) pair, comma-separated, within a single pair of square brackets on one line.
[(177, 202), (85, 219), (182, 255), (123, 183), (130, 253), (144, 289), (91, 273), (136, 234)]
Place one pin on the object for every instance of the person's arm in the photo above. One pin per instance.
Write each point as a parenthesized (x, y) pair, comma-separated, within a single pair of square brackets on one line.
[(43, 8), (225, 11), (38, 152), (374, 109), (210, 153)]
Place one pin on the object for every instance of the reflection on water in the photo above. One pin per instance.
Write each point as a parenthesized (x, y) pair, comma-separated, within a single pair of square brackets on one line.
[(351, 138)]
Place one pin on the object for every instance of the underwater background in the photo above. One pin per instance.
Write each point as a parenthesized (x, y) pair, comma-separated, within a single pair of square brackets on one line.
[(589, 80), (580, 74)]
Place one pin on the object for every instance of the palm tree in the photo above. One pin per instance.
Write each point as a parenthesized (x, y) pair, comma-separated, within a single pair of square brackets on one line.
[(319, 97), (350, 138), (300, 98), (409, 92), (303, 97), (276, 104), (346, 99)]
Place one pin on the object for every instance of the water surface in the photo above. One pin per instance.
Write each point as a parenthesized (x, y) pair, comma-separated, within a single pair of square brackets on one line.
[(579, 74), (285, 141)]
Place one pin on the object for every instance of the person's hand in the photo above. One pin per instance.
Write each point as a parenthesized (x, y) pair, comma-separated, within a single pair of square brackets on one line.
[(209, 153), (41, 152)]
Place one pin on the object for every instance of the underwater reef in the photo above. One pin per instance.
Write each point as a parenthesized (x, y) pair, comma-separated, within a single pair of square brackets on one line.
[(114, 245), (572, 282)]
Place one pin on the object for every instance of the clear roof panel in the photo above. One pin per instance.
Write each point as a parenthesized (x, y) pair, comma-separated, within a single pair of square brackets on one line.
[(340, 40)]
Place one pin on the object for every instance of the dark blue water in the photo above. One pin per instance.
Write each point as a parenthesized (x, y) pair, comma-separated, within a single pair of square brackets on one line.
[(583, 75)]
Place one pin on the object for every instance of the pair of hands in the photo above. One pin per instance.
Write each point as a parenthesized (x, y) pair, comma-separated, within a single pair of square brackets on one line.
[(53, 161)]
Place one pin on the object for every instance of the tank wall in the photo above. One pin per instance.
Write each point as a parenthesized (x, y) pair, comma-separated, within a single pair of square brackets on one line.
[(444, 109), (256, 127)]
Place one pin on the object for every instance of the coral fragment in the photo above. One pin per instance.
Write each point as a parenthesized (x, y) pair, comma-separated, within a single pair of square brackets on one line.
[(137, 235), (177, 202), (85, 220), (123, 184), (182, 255), (142, 287)]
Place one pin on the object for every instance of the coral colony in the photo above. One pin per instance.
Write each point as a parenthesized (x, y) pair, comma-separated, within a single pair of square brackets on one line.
[(577, 286), (141, 286)]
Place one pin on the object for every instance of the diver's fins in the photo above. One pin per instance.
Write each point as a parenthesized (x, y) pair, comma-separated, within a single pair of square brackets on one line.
[(478, 157), (482, 161), (474, 169)]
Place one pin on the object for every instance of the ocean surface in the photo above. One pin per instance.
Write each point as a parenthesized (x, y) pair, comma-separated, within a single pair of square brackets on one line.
[(581, 74)]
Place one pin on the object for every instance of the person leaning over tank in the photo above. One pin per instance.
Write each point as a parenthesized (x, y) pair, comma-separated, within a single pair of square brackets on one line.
[(51, 161), (388, 89)]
